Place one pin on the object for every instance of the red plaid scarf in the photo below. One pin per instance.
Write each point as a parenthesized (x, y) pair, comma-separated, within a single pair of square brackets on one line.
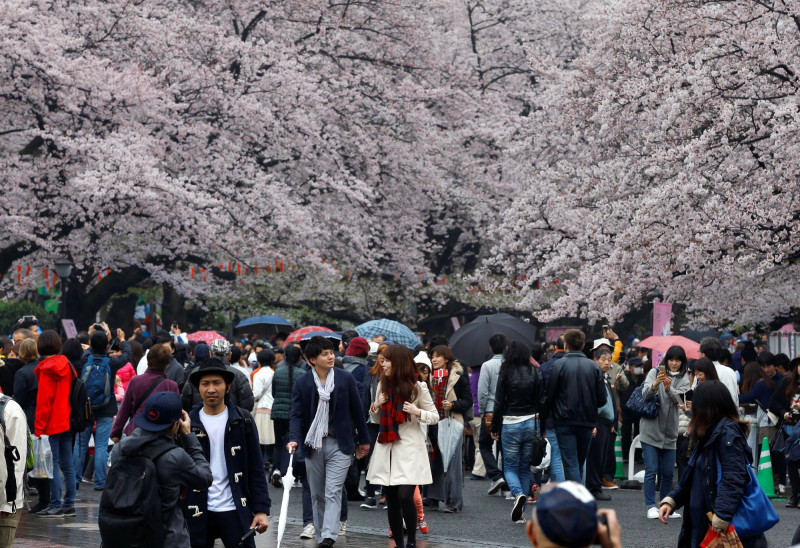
[(391, 416), (439, 378)]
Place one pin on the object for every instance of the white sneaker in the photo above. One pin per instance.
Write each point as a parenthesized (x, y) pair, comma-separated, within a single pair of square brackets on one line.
[(508, 495), (781, 489), (652, 513), (308, 531), (343, 528), (674, 515)]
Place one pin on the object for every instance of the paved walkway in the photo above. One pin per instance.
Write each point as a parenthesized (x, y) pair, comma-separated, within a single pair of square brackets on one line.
[(81, 532)]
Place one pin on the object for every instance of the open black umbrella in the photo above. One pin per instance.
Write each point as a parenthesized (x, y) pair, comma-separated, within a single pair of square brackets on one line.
[(470, 344), (263, 325)]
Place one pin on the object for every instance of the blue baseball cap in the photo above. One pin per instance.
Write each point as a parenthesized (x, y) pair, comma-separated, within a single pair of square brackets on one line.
[(161, 410), (567, 515)]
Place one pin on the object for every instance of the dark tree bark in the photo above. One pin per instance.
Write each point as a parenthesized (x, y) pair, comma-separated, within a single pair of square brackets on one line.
[(173, 308)]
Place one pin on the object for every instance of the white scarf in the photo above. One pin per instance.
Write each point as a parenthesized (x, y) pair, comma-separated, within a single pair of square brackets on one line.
[(319, 428)]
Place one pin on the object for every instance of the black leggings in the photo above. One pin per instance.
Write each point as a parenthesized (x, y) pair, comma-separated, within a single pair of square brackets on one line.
[(400, 506)]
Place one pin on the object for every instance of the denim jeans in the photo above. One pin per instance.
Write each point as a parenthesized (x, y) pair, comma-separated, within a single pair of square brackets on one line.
[(573, 442), (517, 447), (101, 434), (556, 466), (660, 462), (61, 446)]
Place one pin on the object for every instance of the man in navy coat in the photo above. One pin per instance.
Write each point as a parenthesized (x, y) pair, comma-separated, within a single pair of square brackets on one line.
[(237, 500), (326, 409)]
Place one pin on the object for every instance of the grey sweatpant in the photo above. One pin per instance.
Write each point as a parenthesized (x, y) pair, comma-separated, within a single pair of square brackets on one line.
[(326, 471)]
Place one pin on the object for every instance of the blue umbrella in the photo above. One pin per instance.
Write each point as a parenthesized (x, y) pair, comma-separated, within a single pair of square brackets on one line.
[(263, 324), (393, 330)]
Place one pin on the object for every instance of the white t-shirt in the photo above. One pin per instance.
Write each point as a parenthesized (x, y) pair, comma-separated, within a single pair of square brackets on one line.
[(220, 498)]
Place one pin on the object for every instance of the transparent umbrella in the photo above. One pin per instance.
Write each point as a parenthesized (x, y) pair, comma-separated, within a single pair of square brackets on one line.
[(451, 434)]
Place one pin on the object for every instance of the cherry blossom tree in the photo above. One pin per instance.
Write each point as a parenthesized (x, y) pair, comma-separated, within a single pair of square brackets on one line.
[(664, 164), (148, 137)]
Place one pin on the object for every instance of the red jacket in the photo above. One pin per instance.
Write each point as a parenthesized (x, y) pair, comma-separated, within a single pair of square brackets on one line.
[(125, 374), (52, 402)]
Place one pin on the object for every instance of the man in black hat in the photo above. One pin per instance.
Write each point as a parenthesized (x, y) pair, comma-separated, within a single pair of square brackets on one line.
[(237, 500), (163, 419)]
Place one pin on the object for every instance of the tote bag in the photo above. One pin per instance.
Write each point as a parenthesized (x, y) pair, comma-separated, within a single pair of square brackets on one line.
[(756, 513)]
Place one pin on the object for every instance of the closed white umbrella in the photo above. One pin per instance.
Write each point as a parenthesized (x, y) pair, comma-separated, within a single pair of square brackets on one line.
[(288, 481)]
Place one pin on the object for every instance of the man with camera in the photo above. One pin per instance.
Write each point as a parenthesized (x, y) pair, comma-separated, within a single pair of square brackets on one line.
[(566, 516), (99, 369)]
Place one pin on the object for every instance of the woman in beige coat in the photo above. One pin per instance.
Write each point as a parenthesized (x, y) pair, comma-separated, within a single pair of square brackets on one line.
[(400, 460)]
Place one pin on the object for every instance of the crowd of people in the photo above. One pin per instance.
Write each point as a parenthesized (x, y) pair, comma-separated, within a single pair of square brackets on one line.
[(221, 420)]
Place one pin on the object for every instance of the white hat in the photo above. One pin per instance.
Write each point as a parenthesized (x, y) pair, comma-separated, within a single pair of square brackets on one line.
[(373, 348), (423, 358), (600, 342)]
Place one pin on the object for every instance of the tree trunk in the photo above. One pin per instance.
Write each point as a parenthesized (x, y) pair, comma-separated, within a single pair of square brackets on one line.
[(89, 303), (173, 308)]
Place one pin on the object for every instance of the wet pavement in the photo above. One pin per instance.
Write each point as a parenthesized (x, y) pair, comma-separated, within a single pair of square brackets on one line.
[(485, 522), (81, 531)]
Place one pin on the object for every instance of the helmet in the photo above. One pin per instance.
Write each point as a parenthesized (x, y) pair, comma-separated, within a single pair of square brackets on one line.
[(219, 347)]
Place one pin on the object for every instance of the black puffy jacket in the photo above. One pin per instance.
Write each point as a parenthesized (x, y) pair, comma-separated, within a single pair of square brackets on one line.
[(519, 393), (575, 391)]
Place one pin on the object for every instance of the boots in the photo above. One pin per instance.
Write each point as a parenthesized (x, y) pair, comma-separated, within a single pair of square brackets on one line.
[(791, 502)]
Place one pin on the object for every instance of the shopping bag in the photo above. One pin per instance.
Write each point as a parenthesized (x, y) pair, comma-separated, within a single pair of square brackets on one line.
[(42, 458), (729, 539)]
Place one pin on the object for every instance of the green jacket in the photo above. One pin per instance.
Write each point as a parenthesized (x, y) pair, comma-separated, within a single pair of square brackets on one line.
[(282, 391)]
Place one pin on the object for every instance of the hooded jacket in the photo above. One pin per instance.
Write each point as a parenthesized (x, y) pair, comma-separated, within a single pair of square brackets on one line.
[(177, 469), (662, 431), (52, 401), (125, 374), (355, 366)]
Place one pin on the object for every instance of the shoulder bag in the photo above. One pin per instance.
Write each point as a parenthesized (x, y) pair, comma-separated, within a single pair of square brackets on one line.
[(756, 513), (637, 405), (539, 445)]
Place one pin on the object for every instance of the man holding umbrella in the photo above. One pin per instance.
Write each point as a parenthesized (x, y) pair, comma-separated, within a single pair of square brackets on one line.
[(237, 500)]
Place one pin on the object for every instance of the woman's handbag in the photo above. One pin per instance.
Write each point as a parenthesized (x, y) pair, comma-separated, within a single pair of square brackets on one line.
[(637, 405), (539, 445), (778, 442), (756, 513)]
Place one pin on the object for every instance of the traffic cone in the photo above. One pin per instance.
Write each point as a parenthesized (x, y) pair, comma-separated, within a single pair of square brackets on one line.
[(765, 470), (620, 472)]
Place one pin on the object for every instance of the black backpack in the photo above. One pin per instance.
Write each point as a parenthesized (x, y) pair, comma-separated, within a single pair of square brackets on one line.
[(11, 456), (80, 415), (130, 508)]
